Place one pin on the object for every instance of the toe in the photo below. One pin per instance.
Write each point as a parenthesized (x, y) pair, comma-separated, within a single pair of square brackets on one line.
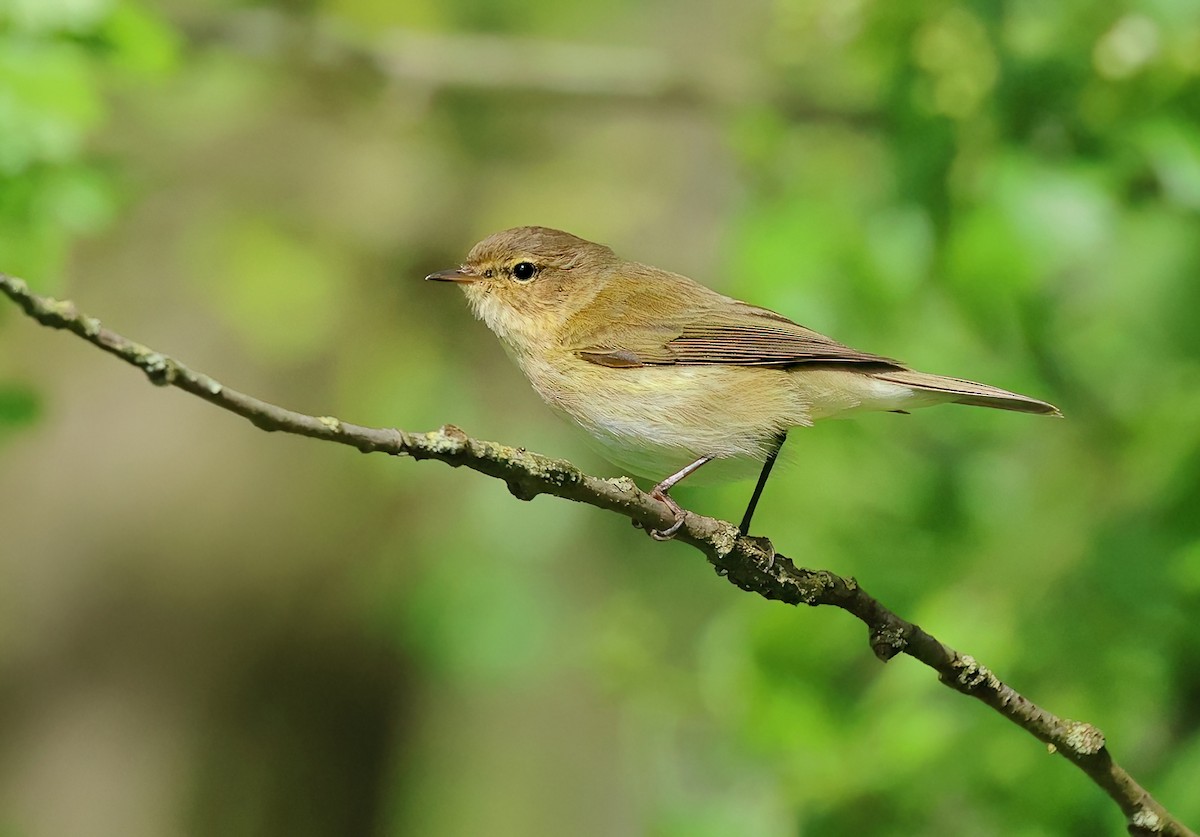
[(671, 531)]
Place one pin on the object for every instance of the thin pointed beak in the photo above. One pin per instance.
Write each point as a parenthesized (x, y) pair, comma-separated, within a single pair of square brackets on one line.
[(454, 274)]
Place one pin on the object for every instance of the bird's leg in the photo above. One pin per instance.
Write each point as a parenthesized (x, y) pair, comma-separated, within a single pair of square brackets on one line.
[(659, 492), (744, 528)]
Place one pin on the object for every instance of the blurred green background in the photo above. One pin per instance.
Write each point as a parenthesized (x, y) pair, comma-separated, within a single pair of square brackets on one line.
[(208, 630)]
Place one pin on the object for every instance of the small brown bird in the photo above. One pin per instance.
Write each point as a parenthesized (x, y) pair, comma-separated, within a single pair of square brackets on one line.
[(668, 376)]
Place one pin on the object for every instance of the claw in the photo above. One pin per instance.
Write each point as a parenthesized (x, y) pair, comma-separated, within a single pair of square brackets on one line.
[(668, 533), (672, 530), (659, 492)]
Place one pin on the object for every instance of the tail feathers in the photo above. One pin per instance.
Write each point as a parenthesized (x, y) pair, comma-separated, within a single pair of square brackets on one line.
[(959, 391)]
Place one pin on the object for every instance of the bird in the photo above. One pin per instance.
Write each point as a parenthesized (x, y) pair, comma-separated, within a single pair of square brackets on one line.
[(671, 379)]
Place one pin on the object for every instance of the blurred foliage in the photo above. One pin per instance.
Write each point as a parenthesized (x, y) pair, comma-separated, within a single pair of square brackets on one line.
[(251, 636), (18, 406), (58, 61)]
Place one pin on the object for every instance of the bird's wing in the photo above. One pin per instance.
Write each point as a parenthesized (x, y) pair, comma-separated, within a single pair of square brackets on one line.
[(733, 333)]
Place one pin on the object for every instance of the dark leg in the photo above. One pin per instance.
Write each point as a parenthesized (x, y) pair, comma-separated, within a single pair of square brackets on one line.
[(659, 492), (762, 483)]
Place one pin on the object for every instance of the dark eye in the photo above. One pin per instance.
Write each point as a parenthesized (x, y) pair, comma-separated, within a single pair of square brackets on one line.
[(524, 271)]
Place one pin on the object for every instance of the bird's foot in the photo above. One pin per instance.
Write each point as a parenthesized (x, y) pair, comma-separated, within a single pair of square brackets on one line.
[(671, 531)]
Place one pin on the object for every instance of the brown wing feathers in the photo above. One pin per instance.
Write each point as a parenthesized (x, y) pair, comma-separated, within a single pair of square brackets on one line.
[(739, 335), (762, 346)]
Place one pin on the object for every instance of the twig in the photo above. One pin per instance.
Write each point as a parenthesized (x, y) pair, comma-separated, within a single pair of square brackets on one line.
[(750, 563)]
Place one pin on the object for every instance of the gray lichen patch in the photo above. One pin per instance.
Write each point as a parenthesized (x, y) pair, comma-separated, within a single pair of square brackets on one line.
[(623, 484), (158, 367), (724, 539), (888, 641), (61, 309), (972, 675), (553, 472), (1147, 821), (447, 440), (1083, 738), (14, 286)]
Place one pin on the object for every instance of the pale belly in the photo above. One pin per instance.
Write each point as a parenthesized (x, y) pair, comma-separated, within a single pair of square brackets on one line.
[(652, 421)]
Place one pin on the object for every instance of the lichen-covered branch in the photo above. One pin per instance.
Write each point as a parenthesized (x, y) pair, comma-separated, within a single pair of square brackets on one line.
[(750, 563)]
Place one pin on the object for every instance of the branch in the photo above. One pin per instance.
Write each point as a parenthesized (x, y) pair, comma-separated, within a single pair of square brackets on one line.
[(750, 563)]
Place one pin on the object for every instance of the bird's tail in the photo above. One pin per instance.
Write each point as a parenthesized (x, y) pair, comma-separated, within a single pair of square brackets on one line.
[(959, 391)]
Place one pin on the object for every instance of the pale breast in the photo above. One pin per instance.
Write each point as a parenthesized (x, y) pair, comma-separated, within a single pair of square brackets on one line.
[(654, 420)]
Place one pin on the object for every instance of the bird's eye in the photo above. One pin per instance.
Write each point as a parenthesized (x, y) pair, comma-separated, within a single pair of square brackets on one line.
[(524, 271), (489, 273)]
